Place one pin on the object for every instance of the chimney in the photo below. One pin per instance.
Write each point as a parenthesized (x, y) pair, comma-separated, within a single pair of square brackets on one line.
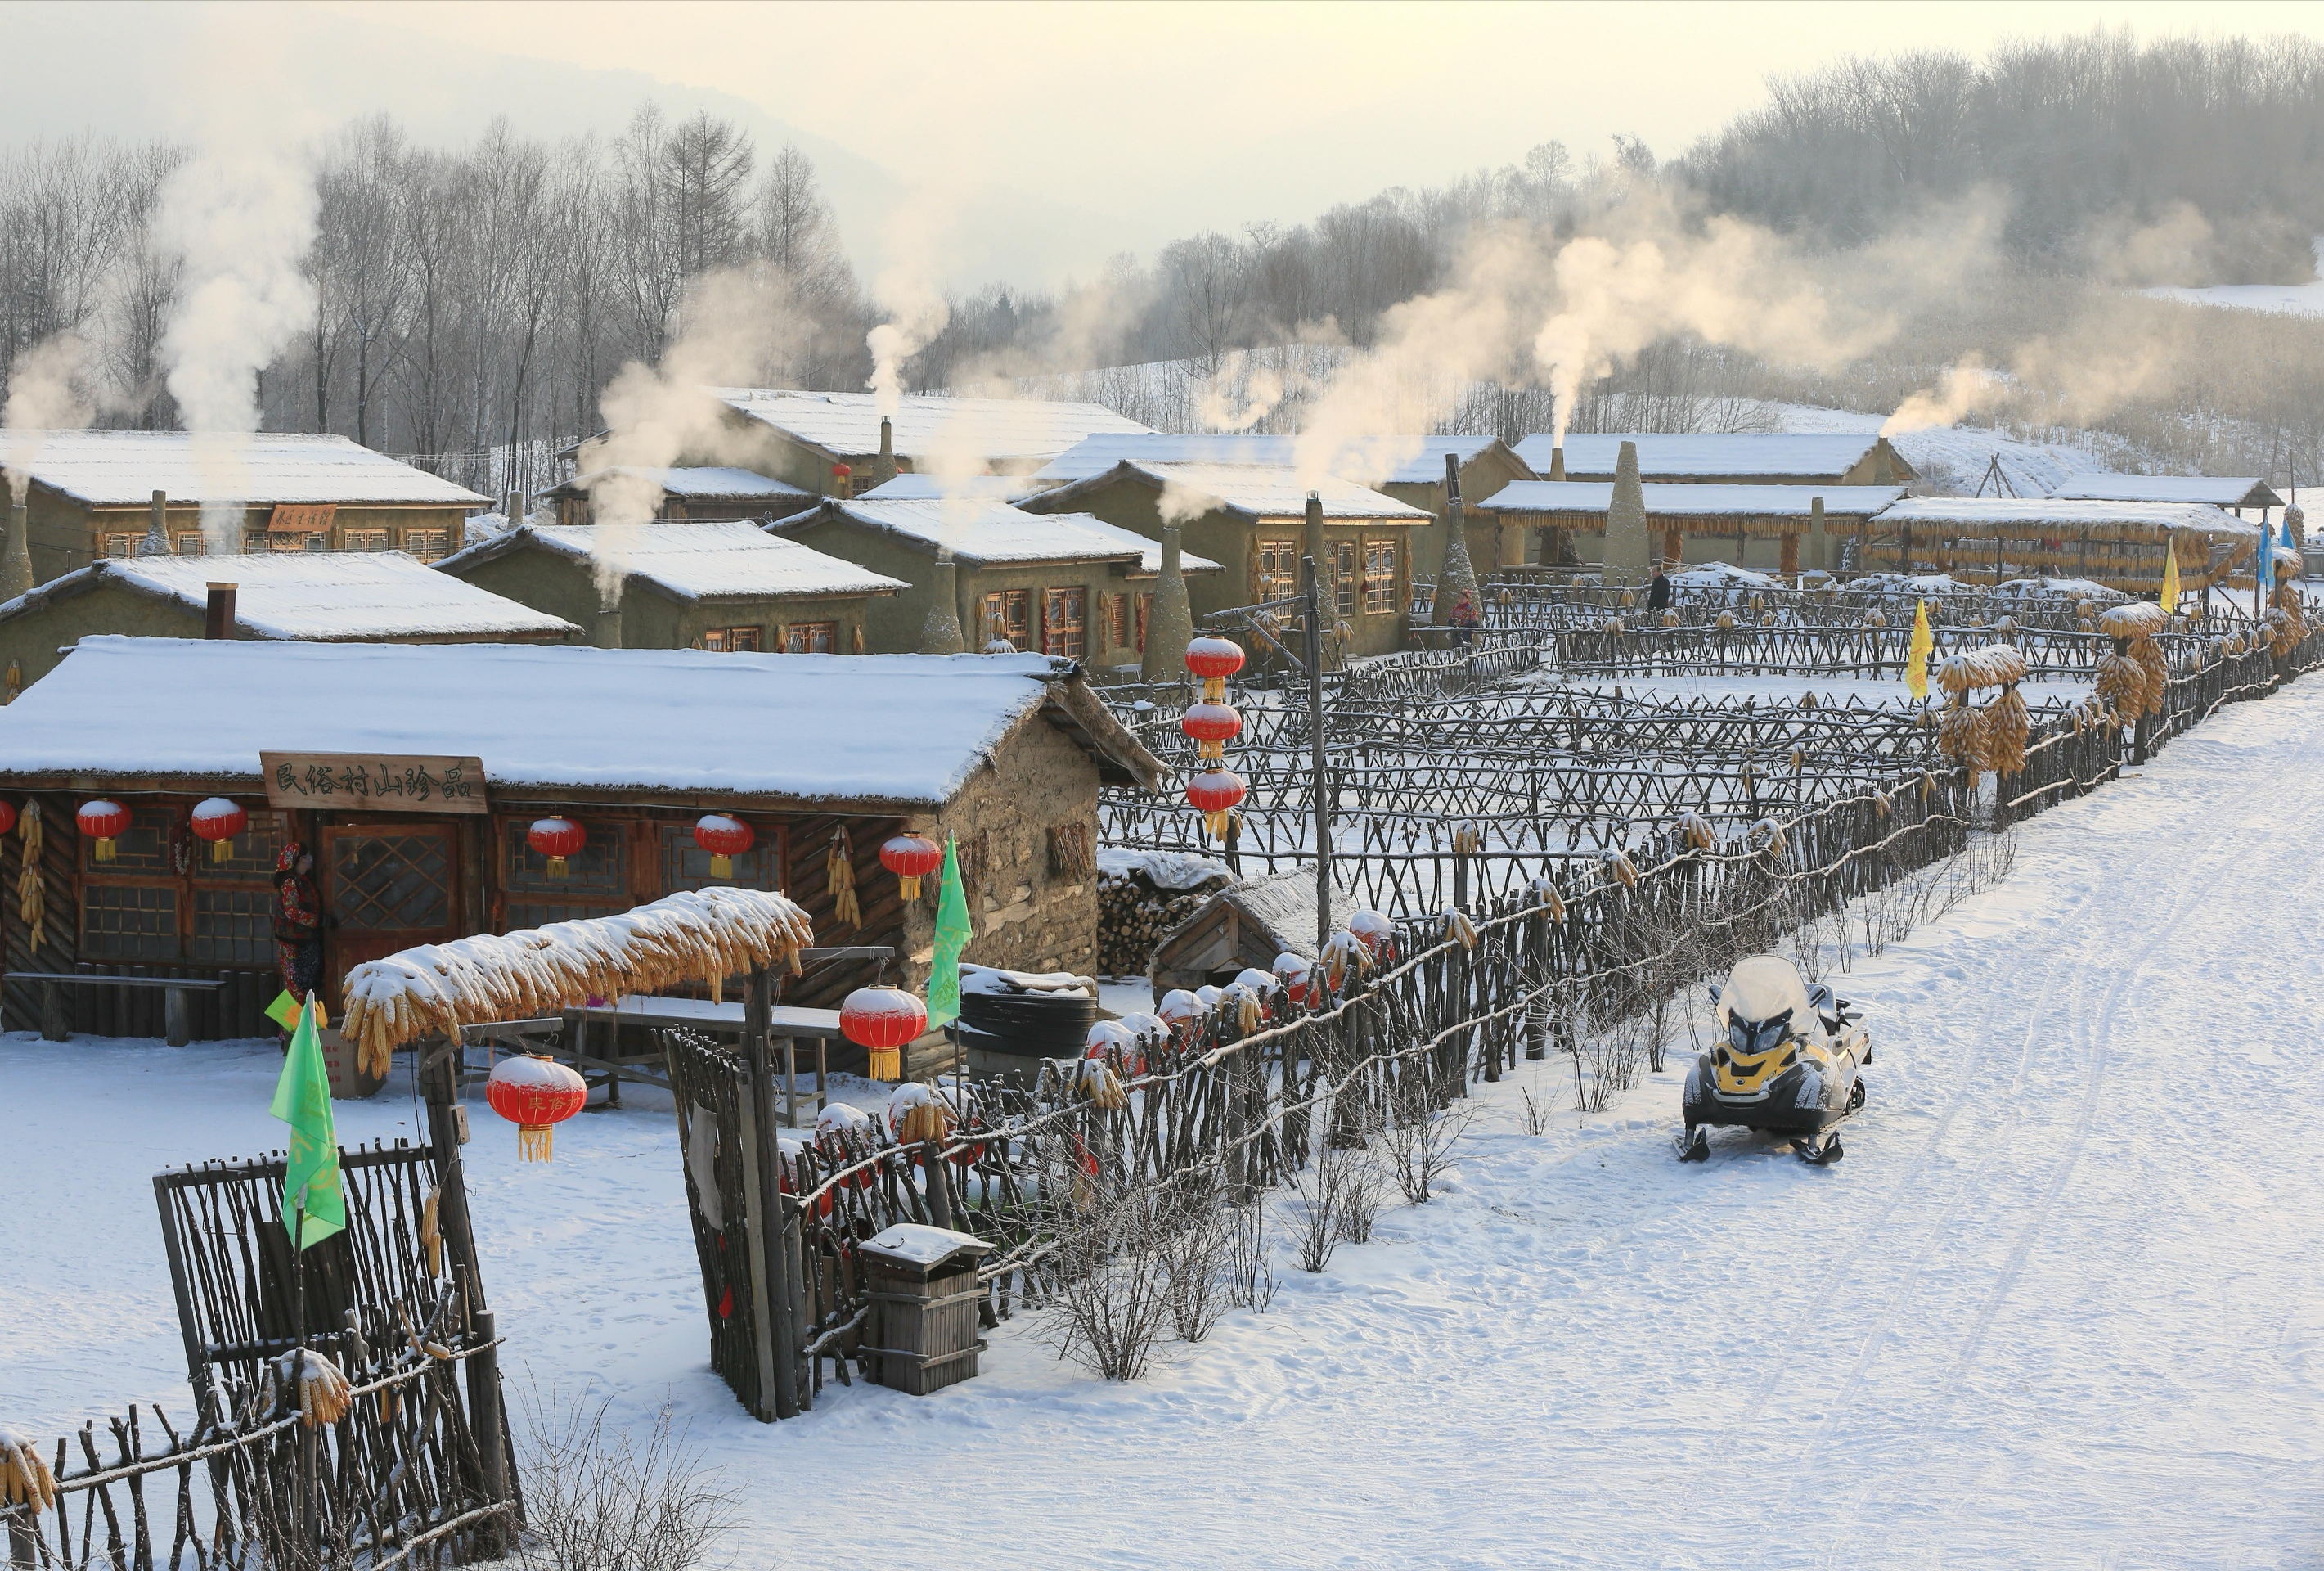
[(1819, 546), (1558, 462), (609, 618), (884, 470), (843, 482), (156, 542), (1456, 575), (1320, 550), (218, 615), (1170, 619), (16, 554), (940, 634)]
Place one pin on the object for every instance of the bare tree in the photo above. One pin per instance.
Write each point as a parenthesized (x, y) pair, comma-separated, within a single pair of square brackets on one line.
[(1417, 1136), (600, 1498)]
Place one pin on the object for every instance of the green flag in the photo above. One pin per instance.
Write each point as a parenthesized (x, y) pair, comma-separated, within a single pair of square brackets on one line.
[(953, 933), (302, 1099)]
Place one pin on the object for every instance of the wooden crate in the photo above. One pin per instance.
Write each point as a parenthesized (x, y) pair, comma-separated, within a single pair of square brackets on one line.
[(922, 1333)]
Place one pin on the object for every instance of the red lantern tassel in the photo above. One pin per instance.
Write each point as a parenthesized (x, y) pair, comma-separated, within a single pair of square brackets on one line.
[(557, 868), (105, 850), (222, 850), (722, 865), (910, 882), (887, 1063), (535, 1142)]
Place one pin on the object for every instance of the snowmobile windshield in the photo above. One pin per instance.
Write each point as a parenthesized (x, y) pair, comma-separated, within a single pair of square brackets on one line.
[(1746, 1036)]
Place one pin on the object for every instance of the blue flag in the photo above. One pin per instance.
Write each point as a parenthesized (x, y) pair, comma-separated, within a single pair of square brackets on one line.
[(2266, 565)]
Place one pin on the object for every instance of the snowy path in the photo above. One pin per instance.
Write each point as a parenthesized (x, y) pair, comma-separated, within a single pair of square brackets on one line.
[(2058, 1306)]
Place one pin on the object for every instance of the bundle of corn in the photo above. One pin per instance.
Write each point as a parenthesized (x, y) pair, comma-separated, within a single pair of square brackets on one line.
[(2232, 645), (1767, 619), (32, 890), (1961, 735), (25, 1479), (1613, 624), (1630, 598), (1873, 618), (2134, 679), (1758, 601), (323, 1391), (1094, 1080), (917, 1115), (1670, 618), (1767, 835), (693, 936), (2286, 622), (1343, 952), (1696, 830), (2003, 732), (1467, 841), (1991, 665), (1724, 619), (1807, 700), (1545, 895), (1459, 928), (1623, 870), (839, 877)]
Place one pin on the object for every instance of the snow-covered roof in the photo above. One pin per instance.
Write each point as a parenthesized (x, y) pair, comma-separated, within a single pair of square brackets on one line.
[(1282, 905), (2040, 512), (315, 596), (1775, 454), (991, 431), (2245, 490), (125, 469), (1594, 496), (911, 487), (1367, 461), (1722, 576), (1254, 490), (901, 730), (736, 560), (997, 532), (695, 482)]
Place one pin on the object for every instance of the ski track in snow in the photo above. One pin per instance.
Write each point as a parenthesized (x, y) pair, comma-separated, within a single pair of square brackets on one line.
[(2056, 1307)]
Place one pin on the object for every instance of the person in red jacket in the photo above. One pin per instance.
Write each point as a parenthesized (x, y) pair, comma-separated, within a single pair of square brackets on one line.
[(298, 923)]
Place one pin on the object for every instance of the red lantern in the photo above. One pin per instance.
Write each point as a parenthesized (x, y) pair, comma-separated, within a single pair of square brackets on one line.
[(1294, 971), (725, 839), (911, 858), (1215, 659), (1375, 932), (557, 839), (103, 822), (881, 1019), (7, 817), (1213, 727), (536, 1094), (1217, 792), (218, 821)]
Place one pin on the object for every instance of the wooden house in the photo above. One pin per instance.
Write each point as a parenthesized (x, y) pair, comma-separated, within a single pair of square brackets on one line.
[(696, 495), (1068, 584), (414, 772), (93, 494), (373, 596), (1408, 468), (1252, 519), (2233, 495), (1765, 527), (729, 586), (1724, 458), (1248, 924), (2117, 544)]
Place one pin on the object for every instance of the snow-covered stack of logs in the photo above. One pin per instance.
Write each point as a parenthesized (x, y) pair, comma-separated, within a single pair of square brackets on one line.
[(1135, 914)]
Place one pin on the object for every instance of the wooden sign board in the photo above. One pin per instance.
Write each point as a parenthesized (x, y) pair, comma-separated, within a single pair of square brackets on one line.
[(375, 782)]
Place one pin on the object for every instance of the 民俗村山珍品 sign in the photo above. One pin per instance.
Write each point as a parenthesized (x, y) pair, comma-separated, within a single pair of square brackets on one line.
[(381, 782)]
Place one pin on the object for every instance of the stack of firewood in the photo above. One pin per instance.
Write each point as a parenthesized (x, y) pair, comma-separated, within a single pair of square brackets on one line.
[(1133, 916)]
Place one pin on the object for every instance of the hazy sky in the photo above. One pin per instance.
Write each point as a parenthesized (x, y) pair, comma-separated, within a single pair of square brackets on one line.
[(1082, 129)]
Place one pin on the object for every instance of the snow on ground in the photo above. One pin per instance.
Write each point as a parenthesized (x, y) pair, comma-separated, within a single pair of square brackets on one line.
[(2057, 1308), (2303, 299)]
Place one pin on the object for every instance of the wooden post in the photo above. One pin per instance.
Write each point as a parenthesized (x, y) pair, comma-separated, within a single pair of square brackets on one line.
[(54, 1027), (24, 1546), (447, 1131), (177, 1016), (755, 1185), (495, 1535), (774, 1287)]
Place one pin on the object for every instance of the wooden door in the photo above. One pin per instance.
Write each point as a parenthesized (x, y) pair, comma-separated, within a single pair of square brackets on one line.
[(387, 887)]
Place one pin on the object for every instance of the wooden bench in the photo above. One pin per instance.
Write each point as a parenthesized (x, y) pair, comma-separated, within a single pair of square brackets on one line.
[(177, 999)]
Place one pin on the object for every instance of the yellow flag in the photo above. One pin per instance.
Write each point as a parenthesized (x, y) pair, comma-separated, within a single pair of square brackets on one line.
[(1916, 653), (2170, 575)]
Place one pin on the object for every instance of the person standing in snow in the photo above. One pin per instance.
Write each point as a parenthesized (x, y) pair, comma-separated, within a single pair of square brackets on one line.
[(1463, 619), (1658, 593), (297, 921)]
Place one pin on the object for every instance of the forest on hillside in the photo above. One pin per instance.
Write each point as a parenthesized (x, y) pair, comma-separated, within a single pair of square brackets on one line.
[(455, 303)]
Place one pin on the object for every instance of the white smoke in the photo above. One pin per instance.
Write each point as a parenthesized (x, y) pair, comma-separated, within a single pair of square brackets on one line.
[(48, 391), (907, 292), (240, 217)]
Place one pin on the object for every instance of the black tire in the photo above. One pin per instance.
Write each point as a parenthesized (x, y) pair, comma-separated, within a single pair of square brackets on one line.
[(1855, 1096)]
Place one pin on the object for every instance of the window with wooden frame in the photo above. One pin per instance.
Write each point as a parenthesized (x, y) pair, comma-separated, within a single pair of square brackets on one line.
[(687, 865), (729, 640), (1118, 614), (191, 544), (298, 542), (1379, 576), (119, 545), (1343, 576), (364, 540), (427, 544), (1064, 626), (811, 638), (1009, 614), (1145, 611), (163, 897), (599, 873), (1279, 569)]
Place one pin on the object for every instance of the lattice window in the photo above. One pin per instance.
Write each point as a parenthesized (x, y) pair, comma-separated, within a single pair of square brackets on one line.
[(1072, 856), (298, 542), (253, 853), (1379, 575), (143, 847), (1279, 569), (364, 540), (390, 883), (685, 865), (601, 872), (539, 913), (121, 545), (129, 921), (233, 927), (730, 640), (1065, 625), (191, 544), (427, 544), (811, 638), (1343, 576), (1009, 614)]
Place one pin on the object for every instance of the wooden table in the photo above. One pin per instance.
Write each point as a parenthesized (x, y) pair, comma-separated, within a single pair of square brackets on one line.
[(786, 1025)]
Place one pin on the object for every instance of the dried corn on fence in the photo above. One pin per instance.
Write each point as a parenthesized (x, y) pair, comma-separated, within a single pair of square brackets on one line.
[(1243, 1096)]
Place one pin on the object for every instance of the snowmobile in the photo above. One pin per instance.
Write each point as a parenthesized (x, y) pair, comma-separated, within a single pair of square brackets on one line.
[(1786, 1063)]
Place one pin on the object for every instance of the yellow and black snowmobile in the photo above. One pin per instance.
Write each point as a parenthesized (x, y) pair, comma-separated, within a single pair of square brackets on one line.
[(1785, 1062)]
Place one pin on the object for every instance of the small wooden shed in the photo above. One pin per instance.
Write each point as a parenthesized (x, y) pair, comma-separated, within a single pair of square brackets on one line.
[(1252, 517), (1069, 585), (92, 496), (728, 586), (1765, 527), (414, 773), (1248, 924)]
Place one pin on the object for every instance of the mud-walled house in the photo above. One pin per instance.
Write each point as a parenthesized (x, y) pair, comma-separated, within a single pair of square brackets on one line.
[(1724, 459), (414, 772), (729, 586), (691, 496), (119, 494)]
